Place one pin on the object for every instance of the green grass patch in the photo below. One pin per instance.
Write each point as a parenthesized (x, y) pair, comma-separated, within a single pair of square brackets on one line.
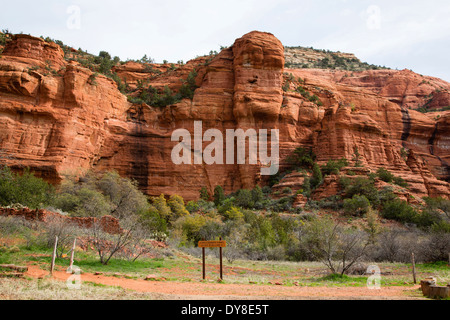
[(89, 263), (434, 266), (338, 279)]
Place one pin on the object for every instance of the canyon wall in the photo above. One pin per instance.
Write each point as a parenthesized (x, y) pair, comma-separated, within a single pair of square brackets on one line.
[(61, 119)]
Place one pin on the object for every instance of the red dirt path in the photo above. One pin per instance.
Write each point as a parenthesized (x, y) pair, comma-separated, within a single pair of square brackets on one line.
[(198, 291)]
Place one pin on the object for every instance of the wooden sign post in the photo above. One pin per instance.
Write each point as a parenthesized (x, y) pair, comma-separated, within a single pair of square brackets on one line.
[(212, 244)]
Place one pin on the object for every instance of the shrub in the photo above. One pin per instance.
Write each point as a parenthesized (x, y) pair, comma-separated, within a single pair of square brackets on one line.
[(287, 190), (301, 90), (204, 194), (333, 202), (436, 214), (101, 194), (439, 203), (13, 225), (188, 87), (360, 186), (2, 38), (277, 253), (390, 246), (67, 202), (92, 203), (317, 177), (281, 205), (206, 206), (234, 214), (244, 199), (152, 221), (25, 189), (212, 230), (312, 205), (441, 227), (226, 205), (177, 208), (386, 194), (235, 242), (219, 196), (338, 248), (192, 206), (160, 204), (122, 194), (307, 187), (436, 247), (64, 230), (357, 205), (261, 232), (191, 225), (334, 166), (258, 197), (400, 211), (357, 158), (302, 157), (385, 175), (266, 190), (107, 245)]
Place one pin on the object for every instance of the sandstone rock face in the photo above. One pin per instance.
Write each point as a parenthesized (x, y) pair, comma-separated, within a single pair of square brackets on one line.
[(34, 50), (66, 120)]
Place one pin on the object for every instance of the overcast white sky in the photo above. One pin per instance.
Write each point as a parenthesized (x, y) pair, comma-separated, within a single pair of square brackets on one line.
[(398, 34)]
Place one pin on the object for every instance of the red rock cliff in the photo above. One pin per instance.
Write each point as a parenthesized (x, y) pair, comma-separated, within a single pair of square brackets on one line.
[(60, 119)]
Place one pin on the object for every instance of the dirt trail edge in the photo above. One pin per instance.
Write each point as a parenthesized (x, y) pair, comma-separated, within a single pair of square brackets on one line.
[(215, 291)]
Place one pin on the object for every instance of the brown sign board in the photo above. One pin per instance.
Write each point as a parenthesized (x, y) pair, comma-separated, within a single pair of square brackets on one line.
[(212, 244)]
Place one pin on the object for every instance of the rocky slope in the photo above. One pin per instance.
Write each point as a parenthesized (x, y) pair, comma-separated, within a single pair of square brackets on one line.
[(301, 57), (60, 118)]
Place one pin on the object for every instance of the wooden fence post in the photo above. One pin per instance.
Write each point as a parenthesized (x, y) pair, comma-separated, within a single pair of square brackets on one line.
[(52, 266), (72, 255)]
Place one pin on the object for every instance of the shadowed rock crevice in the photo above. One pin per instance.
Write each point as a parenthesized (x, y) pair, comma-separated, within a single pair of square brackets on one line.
[(406, 120), (139, 152)]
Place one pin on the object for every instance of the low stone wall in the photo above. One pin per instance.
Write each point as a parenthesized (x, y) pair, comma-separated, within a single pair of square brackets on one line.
[(108, 223)]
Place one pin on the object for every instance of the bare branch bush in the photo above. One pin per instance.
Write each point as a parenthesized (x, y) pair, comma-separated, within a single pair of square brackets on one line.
[(19, 225), (107, 244), (235, 243), (338, 248), (138, 246), (388, 246), (65, 230), (436, 247)]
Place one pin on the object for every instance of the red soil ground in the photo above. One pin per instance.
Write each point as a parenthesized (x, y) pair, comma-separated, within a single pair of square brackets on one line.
[(211, 291)]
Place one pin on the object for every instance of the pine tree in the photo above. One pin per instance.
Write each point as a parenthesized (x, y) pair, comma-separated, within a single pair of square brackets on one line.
[(317, 177), (204, 194), (219, 196)]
